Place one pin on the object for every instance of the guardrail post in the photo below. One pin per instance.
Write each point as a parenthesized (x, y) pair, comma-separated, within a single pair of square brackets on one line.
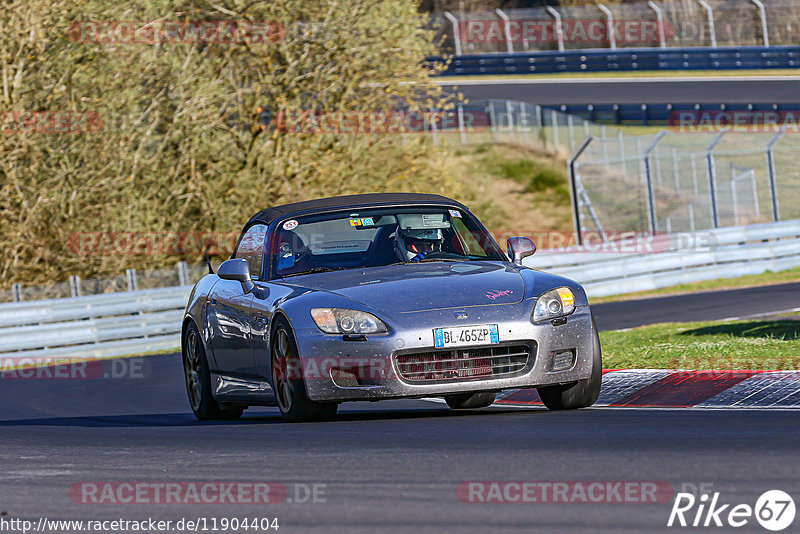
[(183, 274), (16, 292), (456, 32), (559, 26), (662, 38), (573, 189), (130, 274), (75, 285), (651, 197), (712, 188), (762, 13), (506, 30), (712, 30), (773, 188), (612, 39)]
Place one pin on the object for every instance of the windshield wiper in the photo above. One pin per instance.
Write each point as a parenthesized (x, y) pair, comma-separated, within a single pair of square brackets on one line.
[(316, 270)]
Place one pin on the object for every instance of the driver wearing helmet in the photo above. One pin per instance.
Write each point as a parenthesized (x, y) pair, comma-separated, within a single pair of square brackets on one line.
[(414, 244)]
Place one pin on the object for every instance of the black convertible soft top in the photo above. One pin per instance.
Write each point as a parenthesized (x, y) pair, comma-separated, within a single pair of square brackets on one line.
[(369, 199)]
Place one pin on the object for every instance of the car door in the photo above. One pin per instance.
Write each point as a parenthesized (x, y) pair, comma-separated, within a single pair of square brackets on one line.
[(230, 310)]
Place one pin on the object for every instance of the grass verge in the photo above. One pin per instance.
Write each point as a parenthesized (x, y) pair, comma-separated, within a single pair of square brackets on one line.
[(757, 345)]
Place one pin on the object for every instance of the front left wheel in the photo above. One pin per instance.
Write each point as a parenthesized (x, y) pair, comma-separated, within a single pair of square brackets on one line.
[(288, 382), (198, 379)]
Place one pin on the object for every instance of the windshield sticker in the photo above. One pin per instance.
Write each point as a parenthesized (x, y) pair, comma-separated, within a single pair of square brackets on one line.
[(455, 213), (367, 221), (432, 220), (494, 293), (290, 225), (339, 247)]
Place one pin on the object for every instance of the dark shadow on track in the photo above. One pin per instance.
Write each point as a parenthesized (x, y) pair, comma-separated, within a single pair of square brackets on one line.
[(188, 420)]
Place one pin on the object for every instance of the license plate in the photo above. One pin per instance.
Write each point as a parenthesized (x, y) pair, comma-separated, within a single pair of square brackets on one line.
[(465, 335)]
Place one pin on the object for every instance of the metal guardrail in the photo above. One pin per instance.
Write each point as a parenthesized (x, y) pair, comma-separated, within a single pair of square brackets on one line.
[(95, 326), (721, 253), (134, 322), (629, 59)]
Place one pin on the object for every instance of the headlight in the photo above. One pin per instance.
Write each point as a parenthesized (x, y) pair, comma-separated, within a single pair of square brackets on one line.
[(554, 303), (342, 321)]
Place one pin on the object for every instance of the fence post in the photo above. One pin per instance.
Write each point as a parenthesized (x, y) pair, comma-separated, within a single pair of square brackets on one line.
[(130, 274), (523, 121), (456, 31), (773, 188), (612, 38), (651, 197), (712, 30), (16, 292), (571, 131), (492, 121), (461, 132), (554, 125), (762, 13), (559, 27), (621, 140), (434, 129), (510, 113), (506, 30), (662, 38), (183, 274), (573, 190), (75, 285), (734, 196), (712, 188)]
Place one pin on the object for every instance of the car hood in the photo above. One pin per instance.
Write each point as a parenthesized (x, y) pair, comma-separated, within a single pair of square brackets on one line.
[(415, 287)]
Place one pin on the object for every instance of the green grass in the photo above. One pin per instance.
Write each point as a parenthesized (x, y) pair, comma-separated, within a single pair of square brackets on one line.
[(758, 345), (636, 74), (755, 280)]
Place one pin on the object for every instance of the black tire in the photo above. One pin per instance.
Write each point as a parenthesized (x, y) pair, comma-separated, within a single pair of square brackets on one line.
[(198, 379), (581, 394), (470, 401), (287, 379)]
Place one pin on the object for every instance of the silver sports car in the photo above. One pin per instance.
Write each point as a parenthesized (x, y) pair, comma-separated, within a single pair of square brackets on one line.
[(381, 296)]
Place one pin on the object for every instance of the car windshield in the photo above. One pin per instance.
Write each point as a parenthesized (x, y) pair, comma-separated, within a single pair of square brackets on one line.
[(377, 237)]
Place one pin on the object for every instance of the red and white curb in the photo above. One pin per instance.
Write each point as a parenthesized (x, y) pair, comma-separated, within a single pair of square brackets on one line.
[(660, 388)]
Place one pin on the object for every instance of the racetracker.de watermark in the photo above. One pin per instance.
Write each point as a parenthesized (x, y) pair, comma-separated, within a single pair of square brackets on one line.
[(175, 32), (743, 121), (572, 30), (571, 492), (208, 492), (49, 122), (293, 121), (50, 368)]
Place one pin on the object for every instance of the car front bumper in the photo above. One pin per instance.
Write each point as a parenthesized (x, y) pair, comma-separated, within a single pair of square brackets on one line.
[(328, 361)]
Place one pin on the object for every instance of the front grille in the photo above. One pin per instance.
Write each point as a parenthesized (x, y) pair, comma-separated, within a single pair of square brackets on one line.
[(462, 364)]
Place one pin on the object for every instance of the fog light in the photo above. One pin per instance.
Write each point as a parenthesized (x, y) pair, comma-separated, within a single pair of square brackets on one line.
[(562, 360)]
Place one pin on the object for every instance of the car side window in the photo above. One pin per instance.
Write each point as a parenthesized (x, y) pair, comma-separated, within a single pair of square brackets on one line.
[(251, 248)]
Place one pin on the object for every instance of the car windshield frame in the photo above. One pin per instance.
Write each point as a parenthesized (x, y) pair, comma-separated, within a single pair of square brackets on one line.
[(490, 246)]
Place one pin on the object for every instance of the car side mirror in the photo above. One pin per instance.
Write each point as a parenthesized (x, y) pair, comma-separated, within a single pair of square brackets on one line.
[(519, 248), (238, 270)]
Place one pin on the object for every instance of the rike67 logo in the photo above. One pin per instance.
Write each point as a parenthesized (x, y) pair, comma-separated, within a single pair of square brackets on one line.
[(774, 510)]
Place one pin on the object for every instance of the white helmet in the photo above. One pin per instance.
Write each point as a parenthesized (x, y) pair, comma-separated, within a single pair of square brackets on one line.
[(417, 243)]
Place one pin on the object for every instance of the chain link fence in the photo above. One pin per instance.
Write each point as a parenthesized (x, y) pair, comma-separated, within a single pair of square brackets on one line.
[(665, 24)]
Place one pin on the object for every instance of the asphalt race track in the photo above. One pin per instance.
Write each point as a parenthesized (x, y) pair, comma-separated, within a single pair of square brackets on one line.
[(392, 466), (655, 90), (745, 303)]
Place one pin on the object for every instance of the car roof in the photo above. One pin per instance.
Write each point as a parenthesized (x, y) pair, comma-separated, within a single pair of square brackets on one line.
[(268, 215)]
